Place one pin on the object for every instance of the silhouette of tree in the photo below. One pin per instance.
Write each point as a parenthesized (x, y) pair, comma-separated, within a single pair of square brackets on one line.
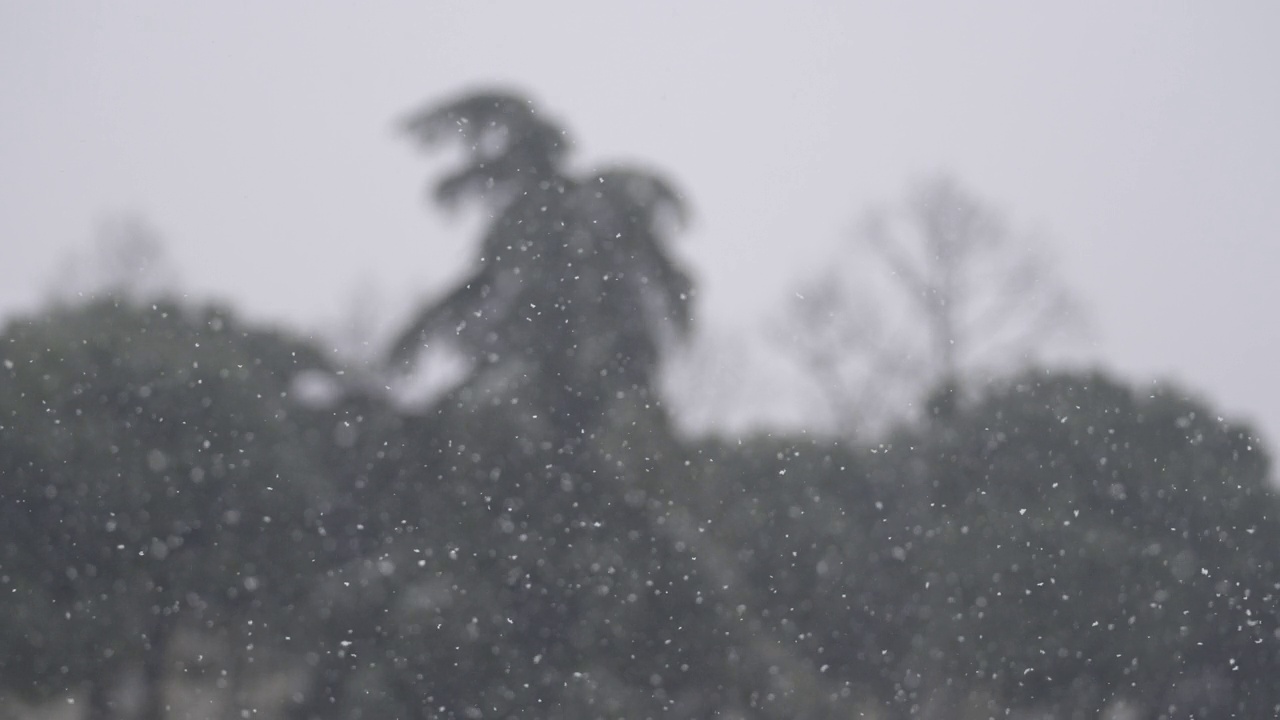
[(566, 256), (949, 292)]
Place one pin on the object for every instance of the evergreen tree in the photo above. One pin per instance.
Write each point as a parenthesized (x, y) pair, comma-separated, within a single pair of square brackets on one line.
[(574, 292)]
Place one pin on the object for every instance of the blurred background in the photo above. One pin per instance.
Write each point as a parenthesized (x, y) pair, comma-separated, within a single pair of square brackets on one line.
[(375, 332)]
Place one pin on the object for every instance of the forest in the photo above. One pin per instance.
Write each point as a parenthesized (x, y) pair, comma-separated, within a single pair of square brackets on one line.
[(202, 517)]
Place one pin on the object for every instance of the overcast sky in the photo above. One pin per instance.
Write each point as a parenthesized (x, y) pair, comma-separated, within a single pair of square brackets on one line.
[(260, 140)]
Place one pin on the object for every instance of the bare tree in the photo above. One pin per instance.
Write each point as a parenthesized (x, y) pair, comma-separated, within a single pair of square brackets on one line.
[(939, 291)]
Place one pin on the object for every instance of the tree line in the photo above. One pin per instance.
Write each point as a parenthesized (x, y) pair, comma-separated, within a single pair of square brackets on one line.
[(201, 518)]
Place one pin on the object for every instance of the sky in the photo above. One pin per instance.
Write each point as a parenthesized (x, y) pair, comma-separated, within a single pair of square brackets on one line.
[(261, 141)]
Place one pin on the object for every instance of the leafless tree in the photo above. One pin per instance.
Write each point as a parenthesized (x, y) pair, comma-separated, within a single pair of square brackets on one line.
[(938, 291)]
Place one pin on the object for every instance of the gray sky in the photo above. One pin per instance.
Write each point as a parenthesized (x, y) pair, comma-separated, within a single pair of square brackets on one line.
[(259, 138)]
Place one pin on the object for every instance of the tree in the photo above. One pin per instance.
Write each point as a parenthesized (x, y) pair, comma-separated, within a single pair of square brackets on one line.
[(1091, 543), (508, 559), (156, 482), (566, 255), (945, 292)]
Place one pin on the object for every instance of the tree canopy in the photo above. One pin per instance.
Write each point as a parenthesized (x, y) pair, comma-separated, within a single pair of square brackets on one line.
[(565, 257), (153, 481)]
